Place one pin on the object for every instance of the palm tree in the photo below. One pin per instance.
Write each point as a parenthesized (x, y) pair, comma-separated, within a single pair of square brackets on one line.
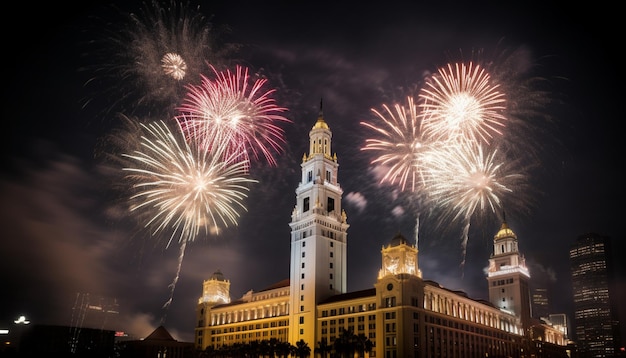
[(323, 348), (284, 349), (302, 349), (345, 344), (363, 344)]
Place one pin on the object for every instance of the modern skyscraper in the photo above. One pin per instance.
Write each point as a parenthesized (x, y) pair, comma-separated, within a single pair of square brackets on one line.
[(596, 327)]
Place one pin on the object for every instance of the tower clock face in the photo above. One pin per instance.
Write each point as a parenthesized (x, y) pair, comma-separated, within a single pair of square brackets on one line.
[(389, 286)]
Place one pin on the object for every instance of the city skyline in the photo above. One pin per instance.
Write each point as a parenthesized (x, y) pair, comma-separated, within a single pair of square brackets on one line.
[(66, 236)]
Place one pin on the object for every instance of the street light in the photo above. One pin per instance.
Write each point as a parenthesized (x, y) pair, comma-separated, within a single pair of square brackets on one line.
[(21, 320)]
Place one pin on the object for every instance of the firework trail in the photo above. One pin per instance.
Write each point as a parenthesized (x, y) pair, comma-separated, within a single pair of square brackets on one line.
[(401, 147), (182, 189), (151, 56), (234, 111), (468, 179), (461, 101)]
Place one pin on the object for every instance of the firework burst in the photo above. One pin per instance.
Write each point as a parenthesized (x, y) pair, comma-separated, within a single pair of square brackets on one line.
[(468, 179), (461, 101), (400, 144), (182, 189), (174, 65), (151, 56), (235, 111)]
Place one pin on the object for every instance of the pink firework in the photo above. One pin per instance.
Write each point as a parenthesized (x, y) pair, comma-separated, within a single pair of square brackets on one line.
[(399, 144), (233, 109), (461, 101)]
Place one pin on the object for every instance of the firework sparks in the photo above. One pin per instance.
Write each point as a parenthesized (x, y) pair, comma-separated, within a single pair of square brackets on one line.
[(236, 111), (152, 56), (464, 179), (174, 65), (461, 101), (400, 144), (181, 188)]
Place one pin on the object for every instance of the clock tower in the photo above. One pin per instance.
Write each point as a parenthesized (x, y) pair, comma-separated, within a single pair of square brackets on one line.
[(318, 267), (508, 276), (399, 258)]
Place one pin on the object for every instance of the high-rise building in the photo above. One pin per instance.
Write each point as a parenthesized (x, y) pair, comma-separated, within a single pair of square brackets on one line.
[(540, 302), (403, 315), (596, 327)]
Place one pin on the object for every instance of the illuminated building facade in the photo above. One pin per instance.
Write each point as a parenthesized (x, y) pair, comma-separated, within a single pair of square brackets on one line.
[(596, 327), (508, 276), (403, 315)]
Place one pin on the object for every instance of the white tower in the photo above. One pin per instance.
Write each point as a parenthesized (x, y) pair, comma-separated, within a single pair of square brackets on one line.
[(508, 276), (318, 266)]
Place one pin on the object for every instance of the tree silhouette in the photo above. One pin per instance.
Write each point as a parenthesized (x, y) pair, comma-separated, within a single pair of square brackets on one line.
[(345, 345), (302, 349), (323, 348), (363, 344)]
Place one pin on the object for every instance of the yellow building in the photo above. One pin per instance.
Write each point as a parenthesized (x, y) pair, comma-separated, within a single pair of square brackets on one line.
[(402, 316)]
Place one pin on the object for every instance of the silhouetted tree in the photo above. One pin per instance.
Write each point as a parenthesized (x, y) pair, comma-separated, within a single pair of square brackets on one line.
[(302, 349), (323, 348)]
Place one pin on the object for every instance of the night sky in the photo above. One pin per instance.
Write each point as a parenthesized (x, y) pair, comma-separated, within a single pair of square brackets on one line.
[(64, 229)]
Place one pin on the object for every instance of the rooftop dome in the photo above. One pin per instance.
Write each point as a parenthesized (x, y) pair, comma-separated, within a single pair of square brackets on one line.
[(505, 232), (320, 124), (218, 276), (397, 240)]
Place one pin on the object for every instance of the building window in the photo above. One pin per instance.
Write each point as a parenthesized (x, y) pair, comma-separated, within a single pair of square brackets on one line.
[(330, 206), (390, 302), (328, 175), (301, 320), (302, 275), (303, 254), (302, 286), (331, 286), (309, 176), (331, 254), (303, 265), (301, 308), (331, 265), (331, 276), (303, 243), (306, 205)]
